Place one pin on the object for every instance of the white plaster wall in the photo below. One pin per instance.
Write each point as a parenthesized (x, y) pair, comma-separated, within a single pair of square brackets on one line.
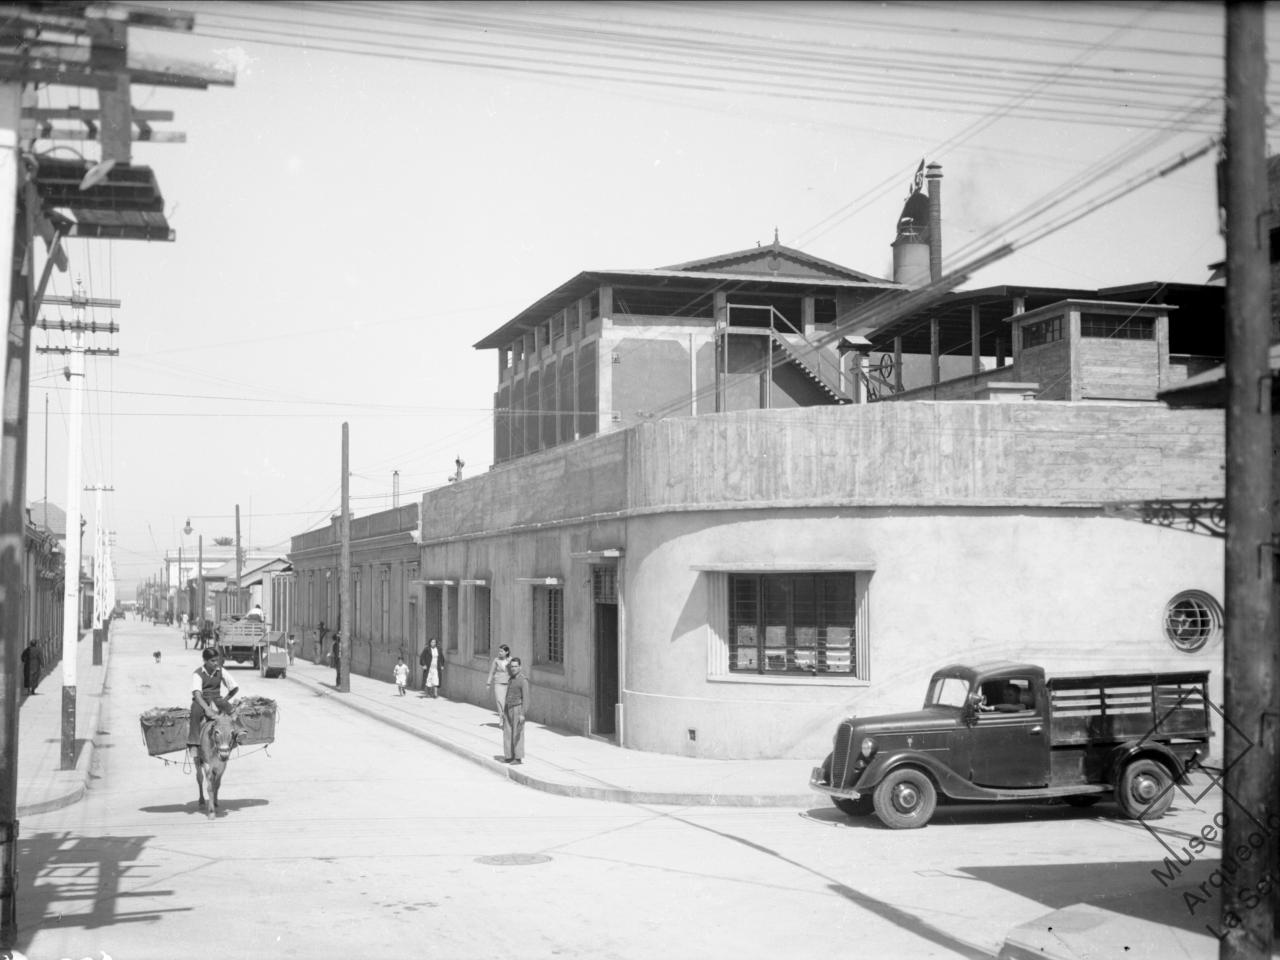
[(1069, 590)]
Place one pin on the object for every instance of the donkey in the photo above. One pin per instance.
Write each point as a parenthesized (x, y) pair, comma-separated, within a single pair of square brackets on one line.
[(217, 738)]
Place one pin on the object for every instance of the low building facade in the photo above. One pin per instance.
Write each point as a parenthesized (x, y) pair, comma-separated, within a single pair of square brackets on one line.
[(727, 585)]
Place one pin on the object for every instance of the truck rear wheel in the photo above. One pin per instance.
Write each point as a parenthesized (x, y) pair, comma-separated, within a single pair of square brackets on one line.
[(861, 807), (1144, 790), (905, 799)]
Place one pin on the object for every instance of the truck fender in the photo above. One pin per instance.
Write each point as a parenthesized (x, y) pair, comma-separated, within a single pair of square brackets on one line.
[(1133, 749), (882, 764)]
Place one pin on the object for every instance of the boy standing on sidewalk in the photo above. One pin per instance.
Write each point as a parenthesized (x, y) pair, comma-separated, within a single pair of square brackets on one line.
[(402, 675)]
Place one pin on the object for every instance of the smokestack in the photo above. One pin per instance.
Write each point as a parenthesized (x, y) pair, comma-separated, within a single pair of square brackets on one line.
[(933, 176)]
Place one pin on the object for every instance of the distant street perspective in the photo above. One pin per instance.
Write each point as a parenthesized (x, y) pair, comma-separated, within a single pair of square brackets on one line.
[(639, 480), (349, 836)]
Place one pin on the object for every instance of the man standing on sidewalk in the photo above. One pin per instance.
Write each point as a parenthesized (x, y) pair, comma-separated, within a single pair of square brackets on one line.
[(513, 714)]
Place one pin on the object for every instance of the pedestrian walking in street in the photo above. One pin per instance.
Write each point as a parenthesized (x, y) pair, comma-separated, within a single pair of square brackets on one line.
[(402, 675), (498, 678), (433, 668), (335, 655), (517, 703), (32, 666)]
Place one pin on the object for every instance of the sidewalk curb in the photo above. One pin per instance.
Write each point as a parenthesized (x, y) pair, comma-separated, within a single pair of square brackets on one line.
[(582, 791), (84, 762)]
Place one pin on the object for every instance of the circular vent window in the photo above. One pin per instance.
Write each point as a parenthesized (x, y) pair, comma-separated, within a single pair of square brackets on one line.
[(1191, 620)]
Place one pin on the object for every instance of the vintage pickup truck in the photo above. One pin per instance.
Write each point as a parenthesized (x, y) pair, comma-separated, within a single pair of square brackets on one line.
[(245, 640), (1002, 731)]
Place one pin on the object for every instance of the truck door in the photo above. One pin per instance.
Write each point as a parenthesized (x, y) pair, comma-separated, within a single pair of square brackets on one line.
[(1009, 738)]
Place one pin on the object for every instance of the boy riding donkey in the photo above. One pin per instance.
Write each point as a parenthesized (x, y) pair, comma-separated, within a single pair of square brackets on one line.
[(208, 684)]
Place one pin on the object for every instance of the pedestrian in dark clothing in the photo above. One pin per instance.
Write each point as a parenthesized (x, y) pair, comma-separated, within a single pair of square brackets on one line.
[(32, 666), (433, 665), (321, 632), (336, 655), (513, 714)]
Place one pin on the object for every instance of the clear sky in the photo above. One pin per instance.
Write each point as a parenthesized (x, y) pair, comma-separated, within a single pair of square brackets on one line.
[(385, 184)]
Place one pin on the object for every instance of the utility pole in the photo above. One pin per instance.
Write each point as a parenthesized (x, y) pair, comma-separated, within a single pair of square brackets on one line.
[(15, 281), (239, 600), (74, 372), (200, 574), (99, 572), (1252, 667), (345, 625)]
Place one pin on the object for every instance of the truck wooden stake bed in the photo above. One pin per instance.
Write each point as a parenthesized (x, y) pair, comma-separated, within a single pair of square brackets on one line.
[(1003, 731)]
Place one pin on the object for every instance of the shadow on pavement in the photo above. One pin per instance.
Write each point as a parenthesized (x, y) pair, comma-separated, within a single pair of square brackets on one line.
[(1131, 889), (76, 882), (192, 806), (956, 815)]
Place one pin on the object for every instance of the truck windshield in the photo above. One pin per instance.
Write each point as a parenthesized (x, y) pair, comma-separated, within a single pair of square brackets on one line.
[(947, 692)]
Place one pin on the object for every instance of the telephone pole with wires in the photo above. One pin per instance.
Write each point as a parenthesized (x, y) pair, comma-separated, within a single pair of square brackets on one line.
[(52, 198), (76, 351)]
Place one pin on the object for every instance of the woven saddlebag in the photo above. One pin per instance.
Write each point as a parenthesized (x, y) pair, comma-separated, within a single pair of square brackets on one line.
[(256, 719), (165, 729)]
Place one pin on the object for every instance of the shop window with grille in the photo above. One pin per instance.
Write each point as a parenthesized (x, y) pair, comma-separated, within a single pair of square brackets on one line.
[(548, 611), (801, 624)]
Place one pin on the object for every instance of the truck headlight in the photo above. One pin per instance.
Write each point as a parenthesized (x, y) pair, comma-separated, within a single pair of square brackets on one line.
[(868, 747)]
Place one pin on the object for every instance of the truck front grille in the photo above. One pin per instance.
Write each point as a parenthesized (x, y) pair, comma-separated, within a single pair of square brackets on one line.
[(840, 755)]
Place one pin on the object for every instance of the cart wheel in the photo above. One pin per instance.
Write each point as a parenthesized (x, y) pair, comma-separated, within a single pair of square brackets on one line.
[(905, 799)]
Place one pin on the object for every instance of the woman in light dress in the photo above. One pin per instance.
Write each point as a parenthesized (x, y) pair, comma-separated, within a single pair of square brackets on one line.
[(498, 677)]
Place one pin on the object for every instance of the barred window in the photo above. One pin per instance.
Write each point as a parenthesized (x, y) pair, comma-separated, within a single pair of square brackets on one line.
[(797, 623), (384, 604), (1041, 332), (480, 601), (548, 612), (1117, 327), (604, 584)]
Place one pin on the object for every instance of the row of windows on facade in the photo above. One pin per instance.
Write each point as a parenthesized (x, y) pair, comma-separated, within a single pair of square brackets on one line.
[(798, 624), (1101, 326)]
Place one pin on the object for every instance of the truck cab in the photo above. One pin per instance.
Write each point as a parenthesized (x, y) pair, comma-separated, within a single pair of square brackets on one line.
[(1002, 730)]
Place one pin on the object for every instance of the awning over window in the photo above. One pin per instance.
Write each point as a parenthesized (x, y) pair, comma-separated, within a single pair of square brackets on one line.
[(783, 566)]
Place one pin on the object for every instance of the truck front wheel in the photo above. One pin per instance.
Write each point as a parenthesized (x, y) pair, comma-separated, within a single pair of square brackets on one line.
[(1144, 790), (905, 799)]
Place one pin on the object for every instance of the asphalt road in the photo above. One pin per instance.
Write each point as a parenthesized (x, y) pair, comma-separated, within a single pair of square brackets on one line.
[(348, 838)]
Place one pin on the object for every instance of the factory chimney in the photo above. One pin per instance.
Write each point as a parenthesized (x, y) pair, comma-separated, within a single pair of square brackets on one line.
[(933, 174)]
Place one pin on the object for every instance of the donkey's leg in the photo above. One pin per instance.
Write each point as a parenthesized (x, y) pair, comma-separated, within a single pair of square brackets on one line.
[(200, 781), (215, 781)]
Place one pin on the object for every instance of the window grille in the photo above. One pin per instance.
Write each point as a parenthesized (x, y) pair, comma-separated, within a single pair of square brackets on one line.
[(1192, 619), (604, 584), (1117, 328), (481, 638), (1041, 332), (793, 624), (548, 607)]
